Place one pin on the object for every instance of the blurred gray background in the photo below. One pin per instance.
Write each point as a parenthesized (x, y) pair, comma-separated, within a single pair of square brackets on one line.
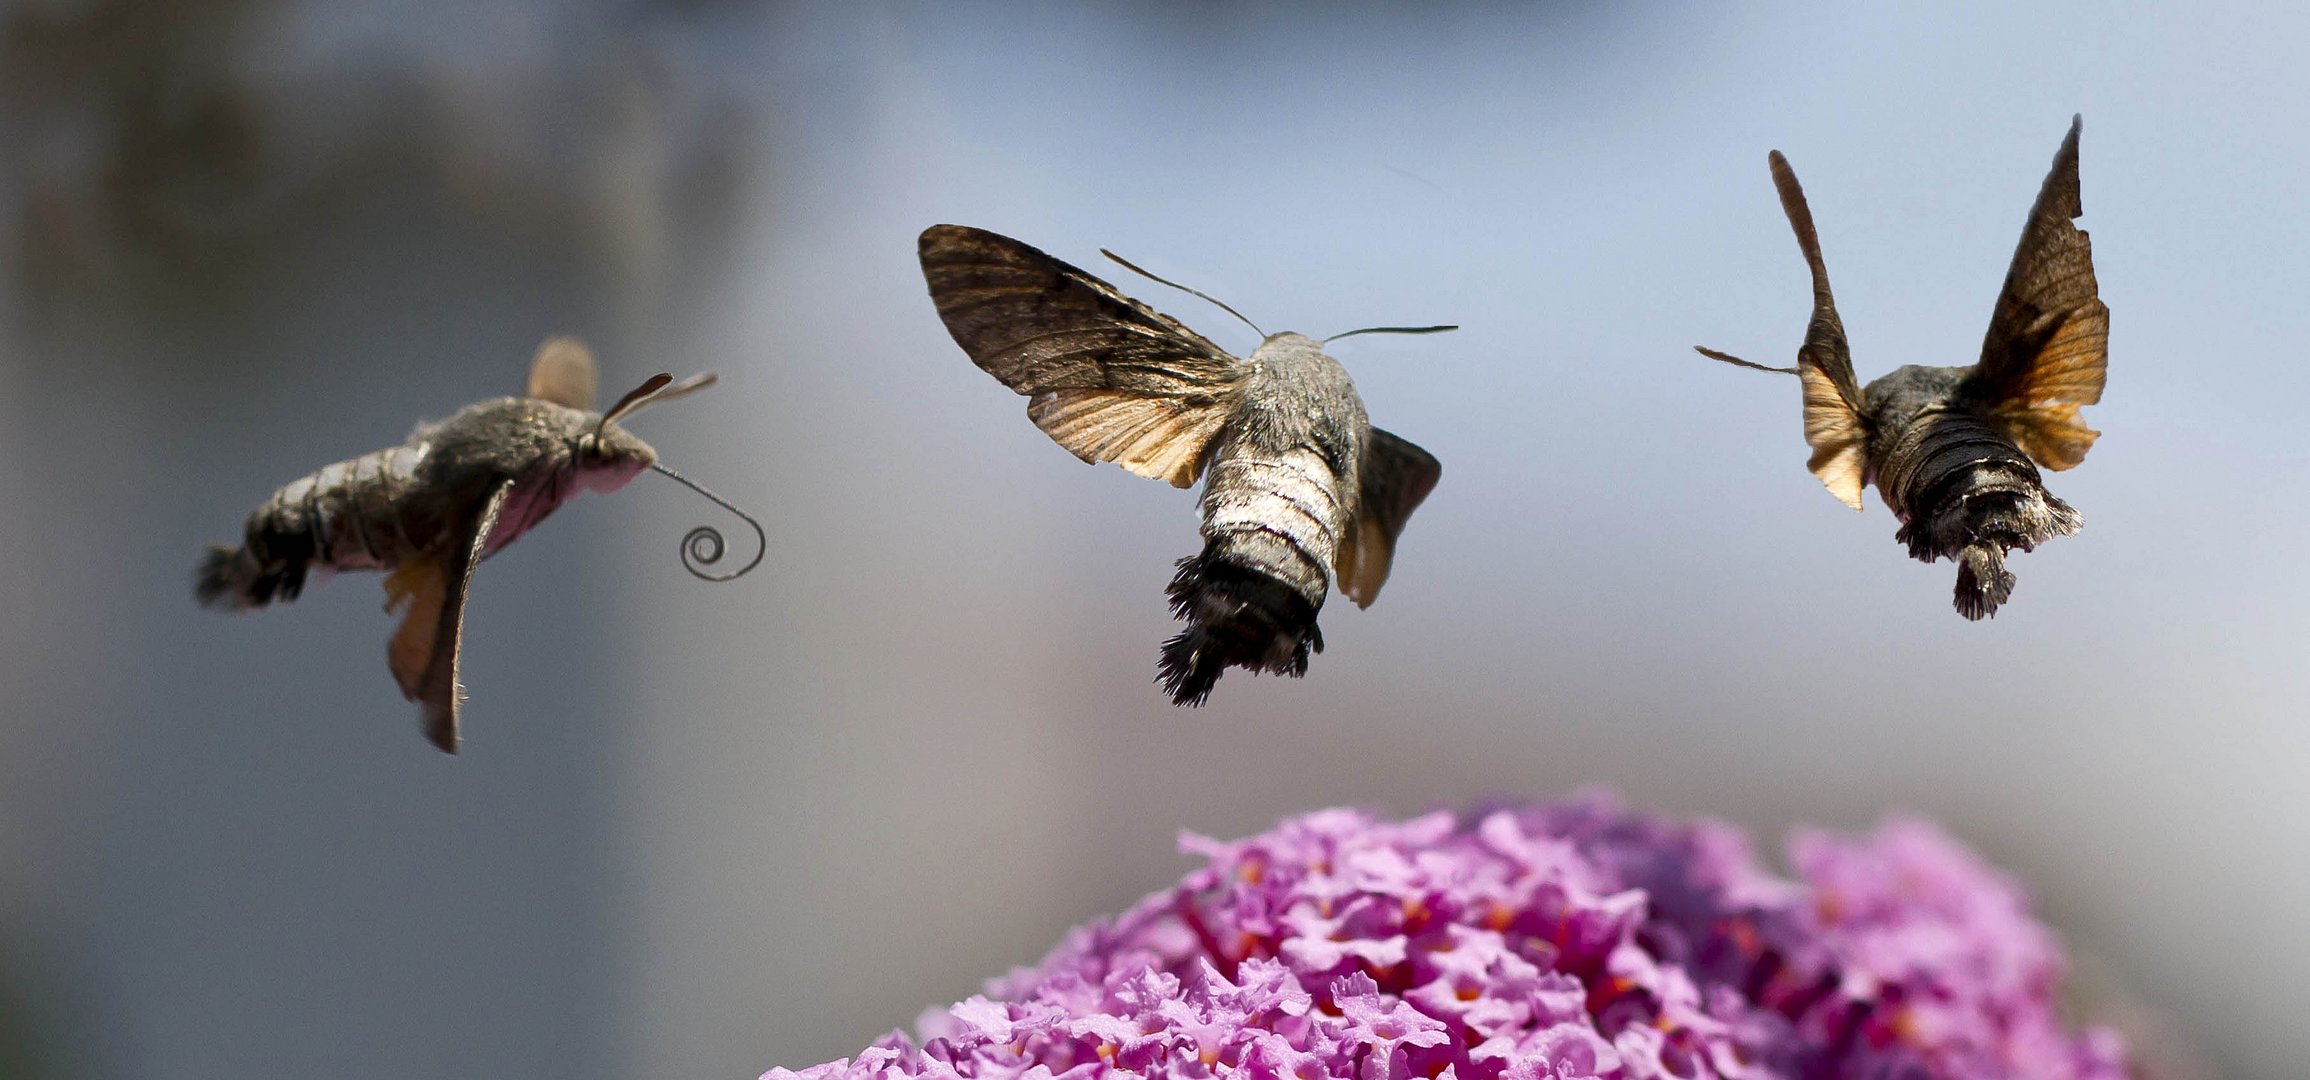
[(699, 831)]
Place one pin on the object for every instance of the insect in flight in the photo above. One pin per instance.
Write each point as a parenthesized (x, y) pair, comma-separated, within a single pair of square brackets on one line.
[(457, 492), (1955, 451), (1302, 490)]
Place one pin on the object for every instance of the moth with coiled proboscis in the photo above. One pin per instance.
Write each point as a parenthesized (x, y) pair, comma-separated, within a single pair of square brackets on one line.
[(1303, 491), (1955, 451), (430, 510)]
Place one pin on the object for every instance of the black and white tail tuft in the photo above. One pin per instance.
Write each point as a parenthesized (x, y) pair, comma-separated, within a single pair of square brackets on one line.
[(233, 579), (1237, 616)]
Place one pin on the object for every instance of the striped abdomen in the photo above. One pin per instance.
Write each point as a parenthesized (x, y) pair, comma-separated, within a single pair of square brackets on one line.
[(1272, 522), (352, 515), (1964, 492)]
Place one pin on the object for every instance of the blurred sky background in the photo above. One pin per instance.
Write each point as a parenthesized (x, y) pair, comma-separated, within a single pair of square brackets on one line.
[(699, 830)]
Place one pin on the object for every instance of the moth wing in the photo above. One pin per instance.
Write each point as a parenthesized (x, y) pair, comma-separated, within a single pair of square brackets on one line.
[(563, 373), (1839, 437), (1834, 425), (1393, 479), (1106, 377), (1155, 437), (425, 651), (2047, 351), (415, 589)]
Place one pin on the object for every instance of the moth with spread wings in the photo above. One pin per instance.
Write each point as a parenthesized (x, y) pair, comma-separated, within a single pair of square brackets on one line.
[(432, 508), (1302, 488), (1955, 451)]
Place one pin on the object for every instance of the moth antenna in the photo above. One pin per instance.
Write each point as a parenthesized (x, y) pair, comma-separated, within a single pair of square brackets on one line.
[(632, 400), (682, 389), (1391, 330), (653, 391), (1731, 359), (635, 396), (1127, 265), (704, 546)]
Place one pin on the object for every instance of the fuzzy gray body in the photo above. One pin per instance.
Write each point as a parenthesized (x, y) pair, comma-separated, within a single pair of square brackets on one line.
[(1956, 451), (1277, 503), (1301, 494), (431, 509), (383, 508), (1961, 489)]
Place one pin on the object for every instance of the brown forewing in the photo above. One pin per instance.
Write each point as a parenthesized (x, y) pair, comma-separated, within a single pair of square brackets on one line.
[(1834, 426), (2047, 350), (426, 650), (1107, 377), (563, 373), (1391, 483)]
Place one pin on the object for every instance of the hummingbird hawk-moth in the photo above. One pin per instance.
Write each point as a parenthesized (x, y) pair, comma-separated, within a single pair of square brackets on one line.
[(1955, 451), (1303, 491), (430, 510)]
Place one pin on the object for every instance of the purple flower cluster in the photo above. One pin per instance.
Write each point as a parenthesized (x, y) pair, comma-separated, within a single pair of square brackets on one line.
[(1546, 942)]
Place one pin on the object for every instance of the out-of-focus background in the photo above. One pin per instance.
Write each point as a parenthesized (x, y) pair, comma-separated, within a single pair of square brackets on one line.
[(699, 831)]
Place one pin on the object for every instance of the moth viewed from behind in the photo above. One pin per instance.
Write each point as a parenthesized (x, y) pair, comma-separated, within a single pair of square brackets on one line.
[(1955, 451), (1302, 490), (430, 510)]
